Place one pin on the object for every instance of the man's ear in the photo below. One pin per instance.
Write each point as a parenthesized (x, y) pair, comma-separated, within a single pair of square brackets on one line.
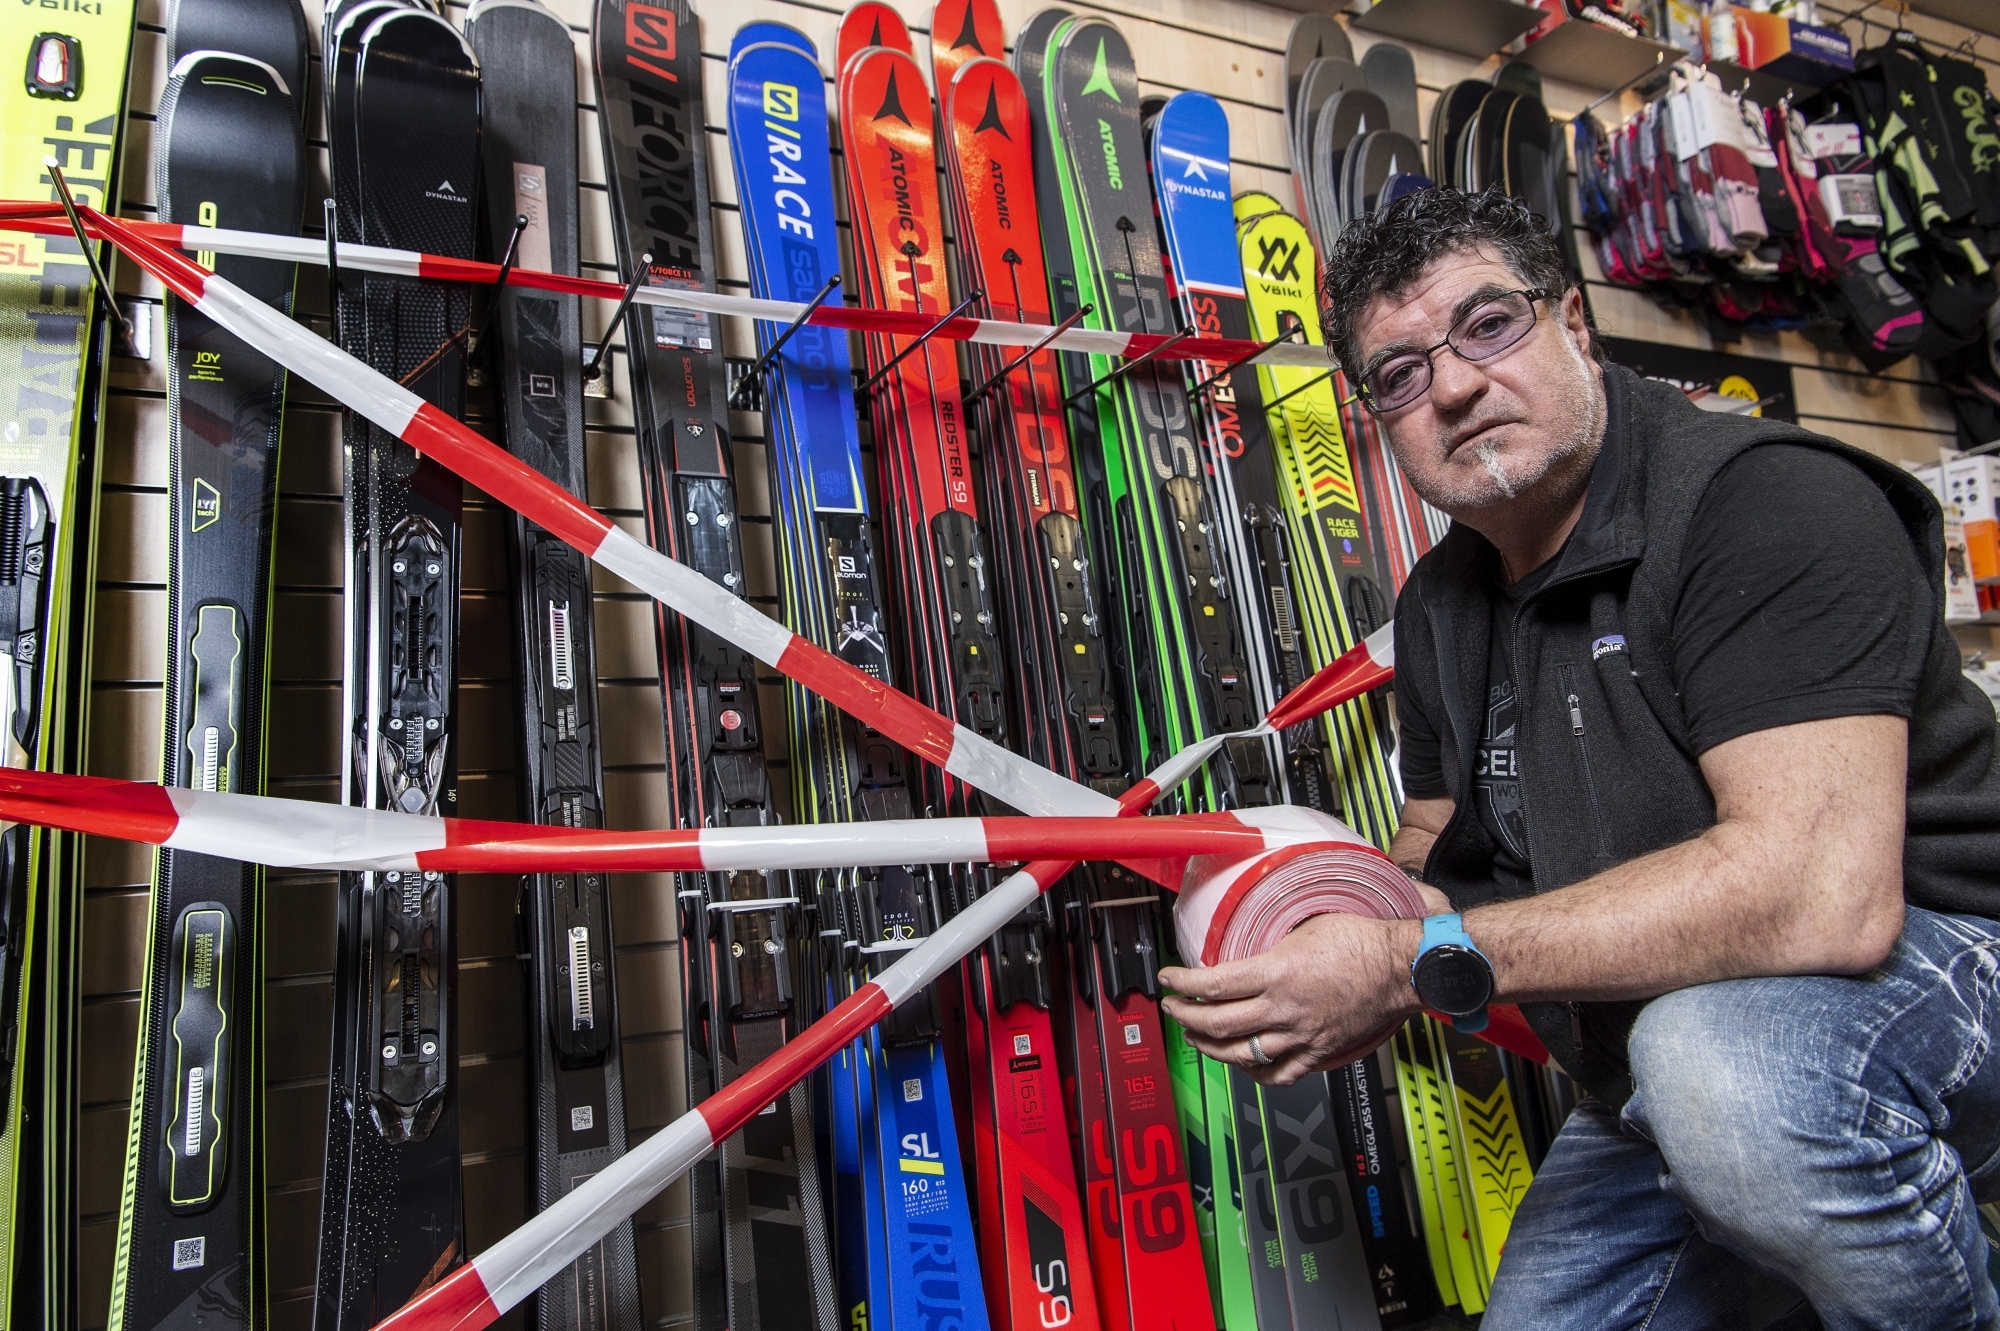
[(1574, 318)]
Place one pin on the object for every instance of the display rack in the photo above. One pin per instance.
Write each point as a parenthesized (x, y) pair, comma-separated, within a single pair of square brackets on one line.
[(1592, 56), (1475, 28), (1979, 15)]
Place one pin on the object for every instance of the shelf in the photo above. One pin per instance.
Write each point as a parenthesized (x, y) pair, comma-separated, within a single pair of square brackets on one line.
[(1591, 56), (1979, 15), (1475, 28), (1763, 88)]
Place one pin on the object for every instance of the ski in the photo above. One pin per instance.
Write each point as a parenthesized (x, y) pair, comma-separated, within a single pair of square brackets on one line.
[(1217, 1195), (1031, 1211), (404, 147), (828, 580), (1449, 1189), (870, 23), (736, 928), (576, 1097), (1189, 140), (231, 151), (67, 102), (1108, 259), (1080, 1038), (1340, 600), (942, 588), (1326, 1269), (1397, 1258), (1193, 650), (1237, 1115), (1340, 593), (1190, 164), (1427, 1162), (1495, 1160)]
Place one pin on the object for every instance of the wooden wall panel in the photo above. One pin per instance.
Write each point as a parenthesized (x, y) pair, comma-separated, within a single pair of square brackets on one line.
[(1232, 48)]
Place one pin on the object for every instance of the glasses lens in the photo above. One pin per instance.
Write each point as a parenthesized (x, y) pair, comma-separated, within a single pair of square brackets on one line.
[(1399, 382), (1493, 327)]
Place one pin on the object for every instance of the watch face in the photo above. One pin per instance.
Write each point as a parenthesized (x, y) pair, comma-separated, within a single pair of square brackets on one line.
[(1454, 980)]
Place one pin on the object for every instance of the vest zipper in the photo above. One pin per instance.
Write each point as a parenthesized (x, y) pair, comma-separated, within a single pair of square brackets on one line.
[(1567, 674)]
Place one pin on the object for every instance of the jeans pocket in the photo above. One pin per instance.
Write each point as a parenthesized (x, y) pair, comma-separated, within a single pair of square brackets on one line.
[(1889, 1121)]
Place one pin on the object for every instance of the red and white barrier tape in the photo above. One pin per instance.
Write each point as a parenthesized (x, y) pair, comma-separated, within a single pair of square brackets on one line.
[(48, 219), (299, 834), (977, 761), (962, 752), (517, 1265)]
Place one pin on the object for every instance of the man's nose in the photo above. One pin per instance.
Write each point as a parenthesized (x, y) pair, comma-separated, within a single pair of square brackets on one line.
[(1454, 380)]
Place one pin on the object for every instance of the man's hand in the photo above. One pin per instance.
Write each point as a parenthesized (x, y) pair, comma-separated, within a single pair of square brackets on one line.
[(1331, 991)]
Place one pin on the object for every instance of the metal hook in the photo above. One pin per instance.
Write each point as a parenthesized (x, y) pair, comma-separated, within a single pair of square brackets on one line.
[(596, 366), (83, 242), (332, 267), (1028, 355), (1659, 59), (922, 338), (1127, 367), (479, 354), (764, 362), (1317, 379), (1245, 359)]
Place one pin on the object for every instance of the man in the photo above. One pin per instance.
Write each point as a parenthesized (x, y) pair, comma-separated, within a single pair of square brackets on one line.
[(1686, 741)]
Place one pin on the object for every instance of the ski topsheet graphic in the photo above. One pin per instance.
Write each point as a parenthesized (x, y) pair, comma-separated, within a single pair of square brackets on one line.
[(404, 135), (230, 148), (63, 100), (528, 160)]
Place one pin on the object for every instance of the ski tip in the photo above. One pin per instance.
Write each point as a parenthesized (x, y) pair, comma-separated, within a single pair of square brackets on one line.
[(459, 1302)]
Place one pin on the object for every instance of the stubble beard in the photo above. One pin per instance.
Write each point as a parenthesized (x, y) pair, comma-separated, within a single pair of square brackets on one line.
[(1577, 424)]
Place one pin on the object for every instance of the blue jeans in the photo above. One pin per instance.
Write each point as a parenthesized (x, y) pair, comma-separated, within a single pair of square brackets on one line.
[(1806, 1140)]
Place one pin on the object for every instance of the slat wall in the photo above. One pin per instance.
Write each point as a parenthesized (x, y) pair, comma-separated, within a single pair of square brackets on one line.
[(1231, 48)]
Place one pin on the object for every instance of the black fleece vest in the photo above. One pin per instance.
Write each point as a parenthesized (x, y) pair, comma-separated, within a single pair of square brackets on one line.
[(1609, 772)]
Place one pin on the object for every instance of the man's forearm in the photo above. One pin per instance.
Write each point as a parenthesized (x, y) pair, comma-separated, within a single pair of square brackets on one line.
[(1802, 874), (1718, 907), (1411, 848)]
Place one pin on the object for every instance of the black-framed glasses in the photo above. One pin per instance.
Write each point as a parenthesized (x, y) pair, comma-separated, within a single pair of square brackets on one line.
[(1482, 333)]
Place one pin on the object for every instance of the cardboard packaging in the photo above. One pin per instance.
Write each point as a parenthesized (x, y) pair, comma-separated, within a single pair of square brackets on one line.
[(1961, 593), (1973, 485), (1801, 52)]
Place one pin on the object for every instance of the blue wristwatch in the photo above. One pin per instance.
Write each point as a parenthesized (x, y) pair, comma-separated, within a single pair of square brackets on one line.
[(1452, 976)]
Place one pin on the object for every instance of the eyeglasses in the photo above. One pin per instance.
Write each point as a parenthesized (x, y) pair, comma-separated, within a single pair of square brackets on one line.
[(1483, 333)]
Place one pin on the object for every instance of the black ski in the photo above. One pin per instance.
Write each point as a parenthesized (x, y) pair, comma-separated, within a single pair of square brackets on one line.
[(231, 153), (392, 1219), (576, 1086), (737, 929)]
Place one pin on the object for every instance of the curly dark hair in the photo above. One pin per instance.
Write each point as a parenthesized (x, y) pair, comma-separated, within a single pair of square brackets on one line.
[(1386, 253)]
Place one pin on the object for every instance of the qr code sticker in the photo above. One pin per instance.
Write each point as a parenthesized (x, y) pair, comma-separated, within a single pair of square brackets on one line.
[(583, 1118), (913, 1090), (1022, 1046), (190, 1253), (1131, 1032)]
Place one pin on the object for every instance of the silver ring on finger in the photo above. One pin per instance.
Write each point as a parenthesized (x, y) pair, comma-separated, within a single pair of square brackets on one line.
[(1264, 1060)]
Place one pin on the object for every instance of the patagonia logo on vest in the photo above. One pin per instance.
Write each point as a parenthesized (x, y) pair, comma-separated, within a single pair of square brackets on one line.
[(1603, 647)]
